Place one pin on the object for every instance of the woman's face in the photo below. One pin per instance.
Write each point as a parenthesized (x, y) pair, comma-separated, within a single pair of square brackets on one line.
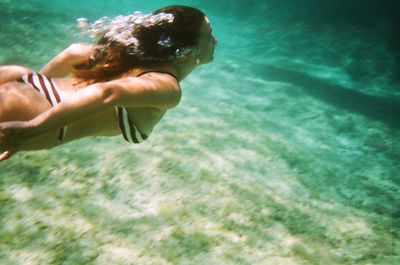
[(206, 43)]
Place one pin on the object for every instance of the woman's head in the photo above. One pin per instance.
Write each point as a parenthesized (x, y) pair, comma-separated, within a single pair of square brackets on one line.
[(175, 39), (172, 34)]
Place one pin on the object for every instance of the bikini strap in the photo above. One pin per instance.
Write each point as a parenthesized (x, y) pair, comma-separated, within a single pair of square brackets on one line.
[(160, 72)]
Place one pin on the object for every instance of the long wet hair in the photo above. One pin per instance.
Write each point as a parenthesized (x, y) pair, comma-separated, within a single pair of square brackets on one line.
[(156, 43)]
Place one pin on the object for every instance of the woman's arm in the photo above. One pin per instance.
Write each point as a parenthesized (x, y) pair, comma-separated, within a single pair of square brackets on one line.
[(160, 91), (63, 64)]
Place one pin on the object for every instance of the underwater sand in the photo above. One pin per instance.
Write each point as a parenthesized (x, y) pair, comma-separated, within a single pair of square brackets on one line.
[(284, 150)]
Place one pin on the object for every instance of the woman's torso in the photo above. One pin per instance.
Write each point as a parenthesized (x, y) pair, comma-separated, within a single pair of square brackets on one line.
[(106, 123)]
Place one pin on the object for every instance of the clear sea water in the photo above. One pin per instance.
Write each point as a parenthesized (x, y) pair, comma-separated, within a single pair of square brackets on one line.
[(284, 150)]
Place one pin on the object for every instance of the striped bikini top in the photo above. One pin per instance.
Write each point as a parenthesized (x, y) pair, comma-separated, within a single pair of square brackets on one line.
[(129, 131)]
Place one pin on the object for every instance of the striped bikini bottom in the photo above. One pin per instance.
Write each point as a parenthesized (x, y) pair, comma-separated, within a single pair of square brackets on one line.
[(50, 91)]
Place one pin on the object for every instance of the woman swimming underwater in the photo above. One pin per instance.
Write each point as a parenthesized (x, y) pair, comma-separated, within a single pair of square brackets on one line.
[(123, 84)]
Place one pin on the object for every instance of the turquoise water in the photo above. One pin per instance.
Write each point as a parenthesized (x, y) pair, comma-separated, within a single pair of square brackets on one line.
[(284, 150)]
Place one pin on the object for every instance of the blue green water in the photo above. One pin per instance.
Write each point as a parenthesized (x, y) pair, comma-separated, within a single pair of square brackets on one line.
[(284, 150)]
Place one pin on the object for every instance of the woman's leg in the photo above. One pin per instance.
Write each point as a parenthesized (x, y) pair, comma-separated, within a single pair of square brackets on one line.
[(9, 73), (20, 102)]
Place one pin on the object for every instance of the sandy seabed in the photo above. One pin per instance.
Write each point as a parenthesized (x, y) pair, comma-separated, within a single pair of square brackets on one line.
[(265, 161)]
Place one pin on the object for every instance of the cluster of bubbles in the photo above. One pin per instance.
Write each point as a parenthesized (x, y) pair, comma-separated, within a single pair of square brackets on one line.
[(121, 29)]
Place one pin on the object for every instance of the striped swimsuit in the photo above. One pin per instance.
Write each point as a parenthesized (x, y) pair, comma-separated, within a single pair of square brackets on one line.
[(128, 128), (49, 90), (129, 131)]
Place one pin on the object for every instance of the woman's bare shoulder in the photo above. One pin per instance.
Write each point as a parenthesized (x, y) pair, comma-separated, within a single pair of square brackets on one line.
[(150, 89)]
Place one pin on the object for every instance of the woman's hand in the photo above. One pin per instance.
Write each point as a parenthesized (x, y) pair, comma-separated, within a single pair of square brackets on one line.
[(6, 155), (12, 135)]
